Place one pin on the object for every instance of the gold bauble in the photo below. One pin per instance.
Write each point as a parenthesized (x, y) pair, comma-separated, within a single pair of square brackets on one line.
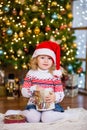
[(5, 18), (74, 45), (63, 38), (19, 52), (54, 3), (21, 12), (29, 31), (21, 34), (23, 22), (24, 45), (34, 8), (15, 35), (1, 12), (70, 15), (15, 67), (65, 45), (68, 6), (20, 1), (37, 30), (8, 22), (35, 19), (70, 24), (24, 66)]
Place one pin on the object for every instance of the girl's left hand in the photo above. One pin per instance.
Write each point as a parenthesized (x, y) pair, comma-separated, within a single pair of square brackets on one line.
[(50, 97)]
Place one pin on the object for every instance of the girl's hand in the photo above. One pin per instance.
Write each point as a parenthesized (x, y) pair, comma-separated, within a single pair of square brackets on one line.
[(50, 97), (39, 88)]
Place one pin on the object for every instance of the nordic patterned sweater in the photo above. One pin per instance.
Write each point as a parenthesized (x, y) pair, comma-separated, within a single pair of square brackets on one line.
[(46, 80)]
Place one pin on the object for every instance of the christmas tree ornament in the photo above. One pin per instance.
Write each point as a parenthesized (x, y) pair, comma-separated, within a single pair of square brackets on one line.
[(15, 35), (70, 68), (21, 12), (24, 22), (35, 20), (34, 8), (54, 16), (70, 15), (21, 34), (37, 30), (47, 28), (63, 26), (68, 6), (1, 12), (63, 38), (24, 66), (8, 22), (5, 18), (21, 1), (74, 45), (1, 52), (63, 11), (3, 32), (16, 1), (43, 15), (6, 9), (62, 48), (38, 2), (70, 24), (80, 70), (29, 31), (26, 49), (54, 3), (19, 52), (9, 31), (14, 11), (16, 66), (11, 50)]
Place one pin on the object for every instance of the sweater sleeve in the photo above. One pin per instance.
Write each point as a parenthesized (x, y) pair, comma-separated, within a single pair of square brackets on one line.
[(27, 87), (59, 96), (59, 92)]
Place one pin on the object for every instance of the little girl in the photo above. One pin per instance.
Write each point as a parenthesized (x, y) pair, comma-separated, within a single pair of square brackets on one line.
[(44, 76)]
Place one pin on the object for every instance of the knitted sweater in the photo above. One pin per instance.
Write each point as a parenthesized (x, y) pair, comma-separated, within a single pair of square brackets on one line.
[(46, 80)]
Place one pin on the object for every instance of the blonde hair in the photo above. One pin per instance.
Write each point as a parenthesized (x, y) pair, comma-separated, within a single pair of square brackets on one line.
[(34, 65)]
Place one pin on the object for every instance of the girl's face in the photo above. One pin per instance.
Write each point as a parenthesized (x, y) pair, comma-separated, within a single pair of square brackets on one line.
[(44, 62)]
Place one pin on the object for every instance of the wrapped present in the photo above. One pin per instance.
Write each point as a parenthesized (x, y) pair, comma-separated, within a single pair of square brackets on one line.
[(72, 80), (14, 119), (71, 91)]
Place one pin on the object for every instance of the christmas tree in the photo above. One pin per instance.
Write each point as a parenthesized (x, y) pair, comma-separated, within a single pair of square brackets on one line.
[(26, 23)]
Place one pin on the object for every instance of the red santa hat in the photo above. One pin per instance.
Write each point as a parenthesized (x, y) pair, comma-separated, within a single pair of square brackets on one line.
[(49, 48)]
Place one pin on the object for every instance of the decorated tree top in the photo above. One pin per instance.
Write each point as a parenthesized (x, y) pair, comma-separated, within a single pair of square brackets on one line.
[(25, 23)]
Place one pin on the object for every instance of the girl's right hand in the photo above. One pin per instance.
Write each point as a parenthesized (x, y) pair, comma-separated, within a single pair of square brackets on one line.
[(39, 88)]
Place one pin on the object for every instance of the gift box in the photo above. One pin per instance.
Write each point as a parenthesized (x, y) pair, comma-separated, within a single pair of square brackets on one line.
[(71, 91), (72, 80), (14, 119)]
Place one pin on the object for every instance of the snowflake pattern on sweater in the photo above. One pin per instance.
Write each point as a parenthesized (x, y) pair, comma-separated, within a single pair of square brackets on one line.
[(44, 79)]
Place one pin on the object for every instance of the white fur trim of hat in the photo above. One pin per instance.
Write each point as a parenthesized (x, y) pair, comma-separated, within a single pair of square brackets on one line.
[(44, 51)]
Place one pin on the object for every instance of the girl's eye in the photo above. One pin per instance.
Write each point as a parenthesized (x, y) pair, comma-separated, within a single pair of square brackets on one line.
[(49, 58), (42, 57)]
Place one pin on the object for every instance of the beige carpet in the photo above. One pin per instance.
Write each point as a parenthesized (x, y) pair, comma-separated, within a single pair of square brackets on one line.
[(77, 121)]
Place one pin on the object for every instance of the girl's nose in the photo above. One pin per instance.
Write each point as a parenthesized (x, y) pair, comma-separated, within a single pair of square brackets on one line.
[(46, 59)]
